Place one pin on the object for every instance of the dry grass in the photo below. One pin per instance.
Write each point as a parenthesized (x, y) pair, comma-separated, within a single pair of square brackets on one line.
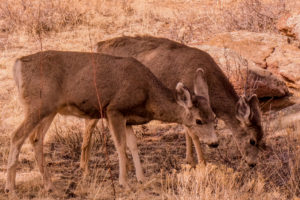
[(183, 21), (162, 152), (75, 25), (254, 16)]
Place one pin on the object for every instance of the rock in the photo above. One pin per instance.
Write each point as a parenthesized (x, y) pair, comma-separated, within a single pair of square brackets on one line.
[(278, 103), (266, 83), (256, 47), (268, 51), (285, 61), (289, 24), (287, 118), (260, 81)]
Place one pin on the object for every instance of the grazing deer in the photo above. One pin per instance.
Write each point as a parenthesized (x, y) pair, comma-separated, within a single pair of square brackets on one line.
[(209, 137), (171, 62), (92, 85)]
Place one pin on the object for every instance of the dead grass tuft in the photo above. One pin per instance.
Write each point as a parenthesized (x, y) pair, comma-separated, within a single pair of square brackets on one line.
[(254, 16), (69, 140), (35, 17), (217, 182)]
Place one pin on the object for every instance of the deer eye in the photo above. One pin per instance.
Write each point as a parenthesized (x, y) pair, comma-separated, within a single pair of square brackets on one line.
[(252, 142), (199, 122)]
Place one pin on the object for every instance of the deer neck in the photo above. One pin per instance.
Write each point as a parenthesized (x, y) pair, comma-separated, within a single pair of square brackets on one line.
[(164, 107)]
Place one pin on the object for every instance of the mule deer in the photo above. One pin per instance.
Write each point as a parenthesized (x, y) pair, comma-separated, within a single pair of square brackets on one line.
[(87, 84), (207, 135), (171, 62)]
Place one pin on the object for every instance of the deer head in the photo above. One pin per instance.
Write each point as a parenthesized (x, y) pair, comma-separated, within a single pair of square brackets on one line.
[(250, 132), (198, 116)]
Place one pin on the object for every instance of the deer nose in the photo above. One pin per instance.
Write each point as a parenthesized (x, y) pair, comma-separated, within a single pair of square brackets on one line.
[(213, 145)]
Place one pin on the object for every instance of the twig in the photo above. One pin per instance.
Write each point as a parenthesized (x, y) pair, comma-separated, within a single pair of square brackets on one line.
[(40, 39), (107, 160)]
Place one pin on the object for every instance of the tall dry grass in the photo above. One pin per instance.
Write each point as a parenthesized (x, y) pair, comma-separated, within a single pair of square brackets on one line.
[(41, 16), (183, 21), (277, 177)]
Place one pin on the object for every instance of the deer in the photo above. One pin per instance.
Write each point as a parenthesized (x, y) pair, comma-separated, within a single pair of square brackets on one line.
[(92, 86), (171, 62)]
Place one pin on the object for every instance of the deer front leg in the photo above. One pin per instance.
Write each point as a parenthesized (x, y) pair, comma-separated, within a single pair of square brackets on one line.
[(37, 139), (199, 152), (189, 150), (196, 142), (117, 127), (200, 156), (132, 145), (86, 145)]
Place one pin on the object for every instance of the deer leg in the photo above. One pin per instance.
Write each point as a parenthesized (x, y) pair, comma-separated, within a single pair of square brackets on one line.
[(16, 142), (117, 127), (37, 139), (200, 156), (196, 142), (192, 137), (189, 150), (132, 145), (86, 145)]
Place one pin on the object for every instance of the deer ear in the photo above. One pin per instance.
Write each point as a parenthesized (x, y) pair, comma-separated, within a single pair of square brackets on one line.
[(200, 85), (183, 96), (242, 110)]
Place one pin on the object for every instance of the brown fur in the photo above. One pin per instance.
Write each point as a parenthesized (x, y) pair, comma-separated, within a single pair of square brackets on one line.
[(70, 83), (172, 62)]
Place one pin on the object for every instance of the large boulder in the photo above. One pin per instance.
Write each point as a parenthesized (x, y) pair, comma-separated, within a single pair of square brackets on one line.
[(285, 60), (237, 68), (287, 119), (256, 47), (289, 24), (269, 51)]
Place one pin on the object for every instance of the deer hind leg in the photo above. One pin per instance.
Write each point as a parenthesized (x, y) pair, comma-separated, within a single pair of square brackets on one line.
[(36, 139), (117, 127), (17, 139), (132, 145), (90, 125)]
